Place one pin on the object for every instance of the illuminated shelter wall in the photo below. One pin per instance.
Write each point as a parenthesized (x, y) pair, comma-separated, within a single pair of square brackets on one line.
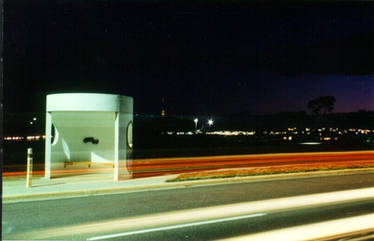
[(89, 129)]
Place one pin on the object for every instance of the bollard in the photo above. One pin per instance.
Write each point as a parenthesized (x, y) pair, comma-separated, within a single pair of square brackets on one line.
[(29, 168)]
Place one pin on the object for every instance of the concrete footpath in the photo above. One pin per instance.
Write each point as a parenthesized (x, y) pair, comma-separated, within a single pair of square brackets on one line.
[(14, 188)]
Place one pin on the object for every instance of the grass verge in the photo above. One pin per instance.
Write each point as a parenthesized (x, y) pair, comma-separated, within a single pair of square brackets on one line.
[(266, 171)]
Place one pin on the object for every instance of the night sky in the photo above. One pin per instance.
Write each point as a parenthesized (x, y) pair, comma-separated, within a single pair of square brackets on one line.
[(207, 58)]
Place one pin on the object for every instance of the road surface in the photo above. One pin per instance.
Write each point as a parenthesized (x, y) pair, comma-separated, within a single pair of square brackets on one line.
[(46, 218)]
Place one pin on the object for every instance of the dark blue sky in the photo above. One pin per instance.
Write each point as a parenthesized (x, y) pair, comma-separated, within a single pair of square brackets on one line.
[(205, 58)]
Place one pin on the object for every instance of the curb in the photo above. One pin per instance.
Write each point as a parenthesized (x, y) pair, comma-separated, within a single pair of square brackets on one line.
[(177, 184)]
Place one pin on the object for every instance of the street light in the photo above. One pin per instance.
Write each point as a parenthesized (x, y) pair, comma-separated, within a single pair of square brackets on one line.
[(196, 120), (210, 122)]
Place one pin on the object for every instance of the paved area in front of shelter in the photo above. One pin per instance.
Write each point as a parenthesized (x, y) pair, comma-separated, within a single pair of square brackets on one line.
[(16, 185)]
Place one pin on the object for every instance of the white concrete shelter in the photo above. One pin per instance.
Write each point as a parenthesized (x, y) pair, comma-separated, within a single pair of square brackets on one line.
[(88, 128)]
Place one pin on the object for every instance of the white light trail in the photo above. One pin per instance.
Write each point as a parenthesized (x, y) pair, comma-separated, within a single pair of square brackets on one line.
[(314, 231), (181, 217), (185, 225)]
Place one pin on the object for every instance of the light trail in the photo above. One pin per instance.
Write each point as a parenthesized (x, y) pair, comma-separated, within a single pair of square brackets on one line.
[(316, 231), (159, 166), (186, 225), (144, 222), (257, 156)]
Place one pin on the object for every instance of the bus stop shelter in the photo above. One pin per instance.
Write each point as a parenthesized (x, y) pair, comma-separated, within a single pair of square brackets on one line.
[(88, 129)]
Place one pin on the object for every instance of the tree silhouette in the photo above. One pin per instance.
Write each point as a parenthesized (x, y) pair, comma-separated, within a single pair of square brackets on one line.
[(322, 104)]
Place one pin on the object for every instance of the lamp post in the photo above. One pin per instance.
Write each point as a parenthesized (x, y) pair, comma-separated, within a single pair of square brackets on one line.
[(196, 120), (210, 122)]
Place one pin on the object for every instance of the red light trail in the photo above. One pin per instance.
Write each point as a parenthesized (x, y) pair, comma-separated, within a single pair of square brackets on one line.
[(162, 166)]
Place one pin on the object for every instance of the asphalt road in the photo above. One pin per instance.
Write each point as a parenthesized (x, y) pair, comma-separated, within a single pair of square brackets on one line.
[(20, 219), (255, 224)]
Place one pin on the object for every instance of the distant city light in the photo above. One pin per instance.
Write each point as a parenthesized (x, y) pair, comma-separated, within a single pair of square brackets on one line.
[(196, 120), (231, 133), (31, 123), (33, 138), (210, 122), (13, 138), (34, 119), (310, 143), (20, 138)]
